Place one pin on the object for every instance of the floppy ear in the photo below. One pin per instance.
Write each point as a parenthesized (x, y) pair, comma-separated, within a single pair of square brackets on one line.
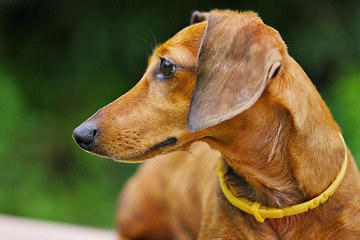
[(237, 57)]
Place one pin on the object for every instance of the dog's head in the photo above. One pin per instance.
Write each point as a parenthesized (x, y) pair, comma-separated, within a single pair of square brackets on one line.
[(207, 74)]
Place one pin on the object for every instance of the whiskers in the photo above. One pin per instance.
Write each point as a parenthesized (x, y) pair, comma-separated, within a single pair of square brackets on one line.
[(197, 159), (155, 166), (149, 47)]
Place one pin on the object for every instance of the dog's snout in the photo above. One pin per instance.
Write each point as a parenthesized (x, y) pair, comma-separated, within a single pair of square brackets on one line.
[(85, 135)]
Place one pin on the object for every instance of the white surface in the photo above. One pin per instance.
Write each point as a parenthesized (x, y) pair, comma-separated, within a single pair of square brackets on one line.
[(16, 228)]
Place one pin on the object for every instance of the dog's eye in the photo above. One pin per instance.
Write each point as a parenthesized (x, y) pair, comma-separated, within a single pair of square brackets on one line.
[(167, 68)]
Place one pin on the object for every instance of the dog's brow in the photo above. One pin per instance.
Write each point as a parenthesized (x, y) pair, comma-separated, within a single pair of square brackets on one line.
[(179, 56), (181, 59), (185, 67)]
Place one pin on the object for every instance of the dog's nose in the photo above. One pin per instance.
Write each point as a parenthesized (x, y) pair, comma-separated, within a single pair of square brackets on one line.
[(85, 135)]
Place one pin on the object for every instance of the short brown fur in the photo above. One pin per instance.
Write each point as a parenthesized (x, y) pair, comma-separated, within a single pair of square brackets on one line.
[(284, 148)]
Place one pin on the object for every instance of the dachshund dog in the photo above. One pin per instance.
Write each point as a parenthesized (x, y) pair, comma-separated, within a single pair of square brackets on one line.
[(227, 83)]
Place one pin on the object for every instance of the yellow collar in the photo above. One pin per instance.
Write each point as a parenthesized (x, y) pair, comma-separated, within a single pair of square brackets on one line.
[(261, 212)]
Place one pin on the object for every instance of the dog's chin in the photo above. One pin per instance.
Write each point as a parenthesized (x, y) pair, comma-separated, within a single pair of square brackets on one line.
[(131, 158), (164, 147)]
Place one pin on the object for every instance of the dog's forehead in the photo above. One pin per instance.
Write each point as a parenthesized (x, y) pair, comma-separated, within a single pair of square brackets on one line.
[(189, 34), (184, 46)]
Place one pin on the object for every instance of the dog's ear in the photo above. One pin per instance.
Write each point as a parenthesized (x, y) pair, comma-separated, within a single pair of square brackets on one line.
[(237, 57), (198, 17)]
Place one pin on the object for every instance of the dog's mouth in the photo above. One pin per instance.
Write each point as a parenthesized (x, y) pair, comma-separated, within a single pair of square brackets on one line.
[(123, 144), (135, 154), (168, 142)]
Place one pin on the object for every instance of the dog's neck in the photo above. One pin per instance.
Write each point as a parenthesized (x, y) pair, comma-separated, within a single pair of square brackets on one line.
[(258, 156), (282, 154)]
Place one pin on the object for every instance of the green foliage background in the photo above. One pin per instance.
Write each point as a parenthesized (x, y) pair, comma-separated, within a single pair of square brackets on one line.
[(60, 61)]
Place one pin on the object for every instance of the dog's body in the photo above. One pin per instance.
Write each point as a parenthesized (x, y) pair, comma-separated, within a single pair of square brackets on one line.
[(226, 80)]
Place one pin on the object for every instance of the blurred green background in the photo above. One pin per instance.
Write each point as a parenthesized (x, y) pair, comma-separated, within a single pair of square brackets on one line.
[(60, 61)]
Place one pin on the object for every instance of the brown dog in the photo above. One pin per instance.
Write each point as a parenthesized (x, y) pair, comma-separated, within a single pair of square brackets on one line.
[(228, 81)]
